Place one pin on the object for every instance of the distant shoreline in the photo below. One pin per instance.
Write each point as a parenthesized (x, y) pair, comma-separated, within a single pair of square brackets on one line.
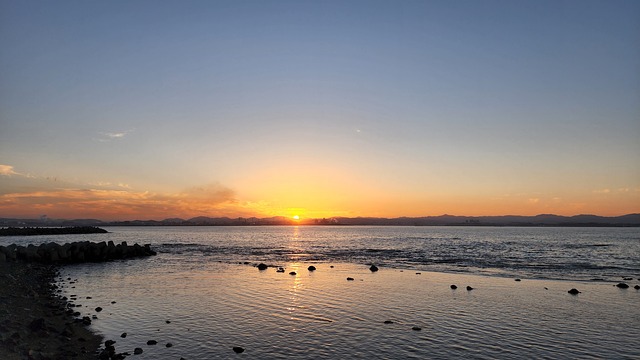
[(542, 220)]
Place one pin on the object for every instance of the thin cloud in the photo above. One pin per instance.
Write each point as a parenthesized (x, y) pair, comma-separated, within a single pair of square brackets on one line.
[(7, 170), (111, 136)]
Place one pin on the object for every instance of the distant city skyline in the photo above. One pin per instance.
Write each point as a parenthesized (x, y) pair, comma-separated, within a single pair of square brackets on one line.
[(126, 110)]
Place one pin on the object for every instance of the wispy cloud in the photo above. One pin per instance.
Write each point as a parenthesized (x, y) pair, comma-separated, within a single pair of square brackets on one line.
[(7, 170), (111, 136)]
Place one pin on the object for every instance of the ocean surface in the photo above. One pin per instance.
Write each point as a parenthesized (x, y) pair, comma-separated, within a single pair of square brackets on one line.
[(203, 294)]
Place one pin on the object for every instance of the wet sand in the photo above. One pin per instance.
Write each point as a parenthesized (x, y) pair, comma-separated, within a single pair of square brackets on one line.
[(34, 323)]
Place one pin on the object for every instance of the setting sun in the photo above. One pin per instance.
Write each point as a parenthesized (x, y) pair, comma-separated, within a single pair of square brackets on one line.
[(296, 217)]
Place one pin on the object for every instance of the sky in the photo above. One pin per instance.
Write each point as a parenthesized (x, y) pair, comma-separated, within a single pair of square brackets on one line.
[(121, 110)]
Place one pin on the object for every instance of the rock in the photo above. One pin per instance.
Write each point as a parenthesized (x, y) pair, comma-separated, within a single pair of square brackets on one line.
[(349, 279), (137, 351), (238, 349), (637, 287), (574, 291), (416, 328), (388, 322), (37, 325), (373, 268), (311, 268), (280, 270), (169, 345), (418, 273), (98, 309), (262, 266), (469, 288), (292, 273), (168, 321), (123, 335), (109, 343), (453, 287), (622, 286), (151, 342), (517, 280), (331, 266)]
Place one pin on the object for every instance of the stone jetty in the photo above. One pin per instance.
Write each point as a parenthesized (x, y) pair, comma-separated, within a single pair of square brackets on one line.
[(76, 252)]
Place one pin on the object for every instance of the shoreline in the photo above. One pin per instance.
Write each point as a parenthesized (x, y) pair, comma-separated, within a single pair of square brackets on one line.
[(34, 320)]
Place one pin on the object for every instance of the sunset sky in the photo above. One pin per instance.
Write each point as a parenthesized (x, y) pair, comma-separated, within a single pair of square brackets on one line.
[(137, 109)]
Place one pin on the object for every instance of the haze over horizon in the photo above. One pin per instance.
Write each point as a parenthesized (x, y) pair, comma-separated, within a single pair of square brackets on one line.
[(128, 110)]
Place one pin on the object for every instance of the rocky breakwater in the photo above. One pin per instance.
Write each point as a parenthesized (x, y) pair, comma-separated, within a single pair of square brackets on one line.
[(76, 252)]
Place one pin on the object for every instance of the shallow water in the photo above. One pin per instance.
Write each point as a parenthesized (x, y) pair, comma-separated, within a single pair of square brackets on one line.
[(314, 315), (199, 282)]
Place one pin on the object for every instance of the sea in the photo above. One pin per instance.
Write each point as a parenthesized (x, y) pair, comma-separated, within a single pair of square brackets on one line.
[(203, 295)]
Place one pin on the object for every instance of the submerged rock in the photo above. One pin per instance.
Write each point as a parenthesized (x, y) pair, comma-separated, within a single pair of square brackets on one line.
[(373, 268), (416, 328), (169, 345), (388, 322), (123, 335), (574, 291), (238, 349), (622, 286), (137, 351)]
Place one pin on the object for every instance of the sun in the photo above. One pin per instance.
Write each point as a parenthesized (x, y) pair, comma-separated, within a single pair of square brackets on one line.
[(296, 217)]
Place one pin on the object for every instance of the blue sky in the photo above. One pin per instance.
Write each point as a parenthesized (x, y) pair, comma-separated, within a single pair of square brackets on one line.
[(376, 108)]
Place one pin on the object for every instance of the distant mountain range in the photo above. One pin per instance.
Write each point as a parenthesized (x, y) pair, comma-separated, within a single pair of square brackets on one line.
[(442, 220)]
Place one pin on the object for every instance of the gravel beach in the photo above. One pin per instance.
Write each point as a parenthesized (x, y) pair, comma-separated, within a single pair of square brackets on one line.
[(34, 323)]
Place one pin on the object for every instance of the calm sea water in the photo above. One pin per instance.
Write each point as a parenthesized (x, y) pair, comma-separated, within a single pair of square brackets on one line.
[(203, 294)]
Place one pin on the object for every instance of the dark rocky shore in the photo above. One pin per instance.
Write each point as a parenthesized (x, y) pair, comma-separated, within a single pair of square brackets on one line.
[(37, 323)]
